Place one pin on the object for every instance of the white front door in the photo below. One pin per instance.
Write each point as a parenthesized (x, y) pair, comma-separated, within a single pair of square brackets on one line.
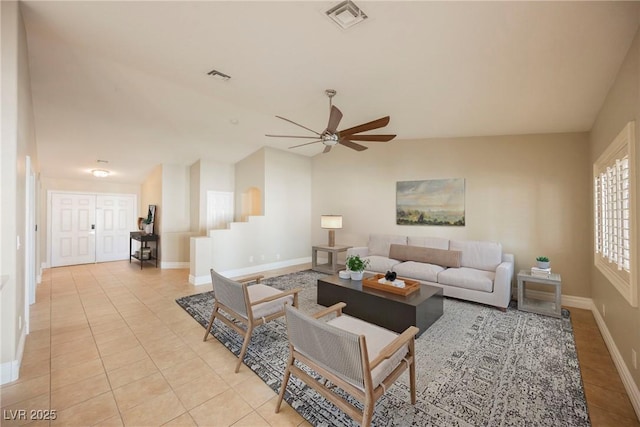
[(115, 218), (73, 238)]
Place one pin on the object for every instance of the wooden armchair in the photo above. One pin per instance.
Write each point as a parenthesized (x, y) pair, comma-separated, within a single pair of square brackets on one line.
[(360, 358), (250, 305)]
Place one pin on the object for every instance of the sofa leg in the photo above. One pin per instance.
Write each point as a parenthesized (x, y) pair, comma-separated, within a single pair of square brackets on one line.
[(502, 309)]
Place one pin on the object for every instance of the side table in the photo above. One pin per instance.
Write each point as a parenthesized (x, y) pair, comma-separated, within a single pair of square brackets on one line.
[(534, 305), (144, 240), (332, 265)]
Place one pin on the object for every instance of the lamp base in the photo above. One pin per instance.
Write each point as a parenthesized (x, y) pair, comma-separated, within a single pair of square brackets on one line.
[(332, 238)]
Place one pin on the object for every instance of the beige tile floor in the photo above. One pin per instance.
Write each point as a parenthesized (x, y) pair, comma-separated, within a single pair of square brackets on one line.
[(109, 347)]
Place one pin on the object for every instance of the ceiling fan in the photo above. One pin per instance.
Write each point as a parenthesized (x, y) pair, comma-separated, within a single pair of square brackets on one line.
[(332, 136)]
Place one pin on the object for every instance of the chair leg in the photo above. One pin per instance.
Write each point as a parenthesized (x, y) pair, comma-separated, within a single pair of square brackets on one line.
[(412, 382), (367, 413), (412, 372), (213, 317), (285, 381), (245, 345)]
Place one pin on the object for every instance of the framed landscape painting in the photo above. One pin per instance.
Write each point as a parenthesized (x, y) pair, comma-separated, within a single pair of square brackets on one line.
[(430, 202)]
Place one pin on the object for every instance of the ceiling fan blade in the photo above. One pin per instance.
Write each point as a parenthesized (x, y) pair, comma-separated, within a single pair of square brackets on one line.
[(306, 143), (327, 148), (334, 119), (292, 136), (376, 138), (298, 124), (382, 122), (352, 145)]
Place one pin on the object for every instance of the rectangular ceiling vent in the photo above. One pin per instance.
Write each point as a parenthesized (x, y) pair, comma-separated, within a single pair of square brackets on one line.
[(346, 14), (218, 75)]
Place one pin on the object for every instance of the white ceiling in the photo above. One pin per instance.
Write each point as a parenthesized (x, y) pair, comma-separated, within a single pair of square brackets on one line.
[(127, 82)]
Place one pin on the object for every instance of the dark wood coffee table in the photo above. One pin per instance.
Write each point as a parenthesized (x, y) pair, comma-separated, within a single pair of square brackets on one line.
[(395, 312)]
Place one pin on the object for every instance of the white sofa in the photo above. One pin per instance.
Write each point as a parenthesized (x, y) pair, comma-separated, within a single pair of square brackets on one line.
[(471, 270)]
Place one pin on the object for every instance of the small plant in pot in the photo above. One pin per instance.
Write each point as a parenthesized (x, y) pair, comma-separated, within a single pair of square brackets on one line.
[(356, 266), (543, 262)]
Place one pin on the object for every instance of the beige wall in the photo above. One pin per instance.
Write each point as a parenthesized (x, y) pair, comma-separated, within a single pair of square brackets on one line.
[(278, 238), (621, 106), (530, 193), (207, 175), (249, 172), (175, 218), (287, 204), (18, 141), (194, 197)]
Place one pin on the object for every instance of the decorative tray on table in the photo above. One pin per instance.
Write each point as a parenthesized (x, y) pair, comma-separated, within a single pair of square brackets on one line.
[(410, 286)]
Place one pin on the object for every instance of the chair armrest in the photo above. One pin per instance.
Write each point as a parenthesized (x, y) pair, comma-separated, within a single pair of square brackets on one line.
[(335, 307), (363, 251), (395, 345), (283, 294), (249, 279)]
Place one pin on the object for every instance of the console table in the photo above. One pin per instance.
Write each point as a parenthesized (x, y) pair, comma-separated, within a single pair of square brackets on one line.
[(144, 240), (539, 306), (332, 265)]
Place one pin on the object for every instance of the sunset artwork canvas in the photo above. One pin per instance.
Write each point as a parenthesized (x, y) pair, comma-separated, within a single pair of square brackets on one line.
[(430, 202)]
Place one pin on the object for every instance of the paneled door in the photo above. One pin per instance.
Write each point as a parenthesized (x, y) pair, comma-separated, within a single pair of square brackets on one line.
[(114, 220), (87, 228), (73, 234)]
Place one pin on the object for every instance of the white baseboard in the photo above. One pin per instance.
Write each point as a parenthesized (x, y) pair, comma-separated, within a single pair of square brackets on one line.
[(577, 302), (175, 265), (204, 280), (567, 300), (625, 374), (199, 280), (10, 371)]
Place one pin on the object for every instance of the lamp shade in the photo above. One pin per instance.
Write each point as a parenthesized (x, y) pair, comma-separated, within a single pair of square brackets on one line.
[(331, 221)]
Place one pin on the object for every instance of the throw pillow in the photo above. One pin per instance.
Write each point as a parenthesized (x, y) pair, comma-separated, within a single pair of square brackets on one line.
[(442, 257)]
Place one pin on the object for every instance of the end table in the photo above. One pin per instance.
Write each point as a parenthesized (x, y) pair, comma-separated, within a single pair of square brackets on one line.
[(533, 305), (332, 265)]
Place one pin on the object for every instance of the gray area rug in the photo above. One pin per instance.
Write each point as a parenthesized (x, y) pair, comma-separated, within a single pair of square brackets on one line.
[(476, 366)]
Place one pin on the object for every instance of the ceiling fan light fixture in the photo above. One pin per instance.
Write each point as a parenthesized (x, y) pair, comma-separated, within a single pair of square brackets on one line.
[(330, 139), (346, 14)]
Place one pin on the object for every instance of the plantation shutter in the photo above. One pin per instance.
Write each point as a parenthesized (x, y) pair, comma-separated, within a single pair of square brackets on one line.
[(612, 213)]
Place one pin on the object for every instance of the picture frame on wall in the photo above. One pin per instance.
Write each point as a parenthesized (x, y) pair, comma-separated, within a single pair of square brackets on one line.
[(431, 202)]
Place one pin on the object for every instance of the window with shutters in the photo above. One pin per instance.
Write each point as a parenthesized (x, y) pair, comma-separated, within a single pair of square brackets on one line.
[(614, 214)]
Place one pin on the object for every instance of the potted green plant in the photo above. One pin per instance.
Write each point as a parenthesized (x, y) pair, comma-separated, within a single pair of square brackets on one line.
[(543, 262), (356, 266)]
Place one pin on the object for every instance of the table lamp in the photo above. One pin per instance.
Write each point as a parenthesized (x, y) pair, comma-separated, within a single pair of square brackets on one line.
[(331, 222)]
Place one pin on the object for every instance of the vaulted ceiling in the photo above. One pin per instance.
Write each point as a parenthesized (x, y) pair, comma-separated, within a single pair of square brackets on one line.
[(127, 81)]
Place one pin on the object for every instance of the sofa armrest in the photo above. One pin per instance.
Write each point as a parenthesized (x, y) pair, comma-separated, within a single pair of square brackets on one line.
[(358, 250), (504, 278)]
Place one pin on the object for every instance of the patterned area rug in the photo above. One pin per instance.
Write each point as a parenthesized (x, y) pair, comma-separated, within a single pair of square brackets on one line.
[(476, 366)]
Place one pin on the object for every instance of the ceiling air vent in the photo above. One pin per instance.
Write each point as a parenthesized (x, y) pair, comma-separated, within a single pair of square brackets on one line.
[(346, 14), (218, 75)]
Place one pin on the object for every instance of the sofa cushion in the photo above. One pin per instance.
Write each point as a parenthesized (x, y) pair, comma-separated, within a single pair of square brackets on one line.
[(379, 243), (475, 254), (468, 278), (380, 264), (428, 242), (418, 270), (427, 255)]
